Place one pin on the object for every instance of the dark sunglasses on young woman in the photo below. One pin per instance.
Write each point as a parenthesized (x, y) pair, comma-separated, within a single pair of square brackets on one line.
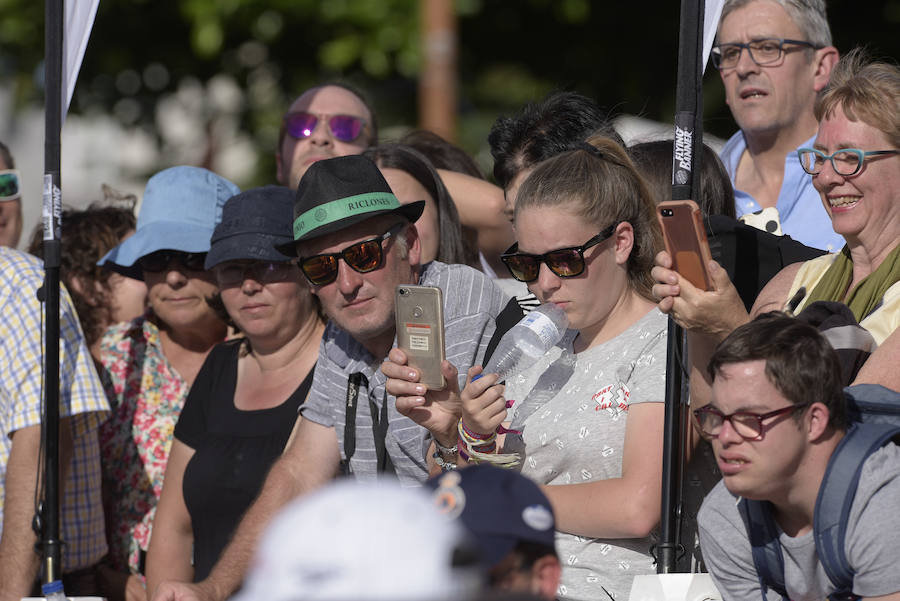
[(564, 262), (161, 259), (362, 257), (345, 128)]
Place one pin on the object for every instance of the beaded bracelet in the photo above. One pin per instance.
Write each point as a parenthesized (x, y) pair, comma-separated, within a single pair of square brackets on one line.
[(446, 466), (447, 451)]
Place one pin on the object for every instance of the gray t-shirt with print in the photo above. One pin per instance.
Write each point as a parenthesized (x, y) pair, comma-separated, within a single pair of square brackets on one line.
[(577, 434), (872, 545)]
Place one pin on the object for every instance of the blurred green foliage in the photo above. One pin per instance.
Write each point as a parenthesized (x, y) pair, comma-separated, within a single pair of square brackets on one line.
[(510, 52)]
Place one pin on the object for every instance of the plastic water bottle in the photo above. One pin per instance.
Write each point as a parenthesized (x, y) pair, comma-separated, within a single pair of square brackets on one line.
[(53, 591), (528, 341)]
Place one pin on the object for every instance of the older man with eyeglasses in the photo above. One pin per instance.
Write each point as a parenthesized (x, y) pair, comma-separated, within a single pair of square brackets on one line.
[(355, 244), (10, 200), (774, 57)]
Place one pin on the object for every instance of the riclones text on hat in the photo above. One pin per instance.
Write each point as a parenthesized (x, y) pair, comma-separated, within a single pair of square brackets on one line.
[(342, 208)]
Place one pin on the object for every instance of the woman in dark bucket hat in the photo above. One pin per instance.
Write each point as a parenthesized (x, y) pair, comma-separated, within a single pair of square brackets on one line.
[(242, 408)]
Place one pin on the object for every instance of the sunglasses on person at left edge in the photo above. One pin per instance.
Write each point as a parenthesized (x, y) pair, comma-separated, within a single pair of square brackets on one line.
[(9, 185), (162, 259)]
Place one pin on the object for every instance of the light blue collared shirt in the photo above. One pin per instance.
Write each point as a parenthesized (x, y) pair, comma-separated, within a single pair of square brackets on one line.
[(799, 205)]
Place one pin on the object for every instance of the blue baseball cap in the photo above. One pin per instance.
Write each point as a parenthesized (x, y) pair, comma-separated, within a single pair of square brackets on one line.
[(499, 507), (253, 223), (180, 210)]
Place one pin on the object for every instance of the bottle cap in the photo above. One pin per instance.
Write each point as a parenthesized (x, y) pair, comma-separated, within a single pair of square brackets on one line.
[(52, 587)]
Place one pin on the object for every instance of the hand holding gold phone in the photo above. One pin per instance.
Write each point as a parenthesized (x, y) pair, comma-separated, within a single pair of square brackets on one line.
[(420, 331)]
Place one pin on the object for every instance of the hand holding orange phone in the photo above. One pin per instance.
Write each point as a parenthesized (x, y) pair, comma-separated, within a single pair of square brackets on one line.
[(686, 243)]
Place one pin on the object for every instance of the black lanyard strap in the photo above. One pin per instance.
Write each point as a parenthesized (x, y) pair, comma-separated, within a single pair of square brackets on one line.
[(379, 431), (353, 383), (380, 423)]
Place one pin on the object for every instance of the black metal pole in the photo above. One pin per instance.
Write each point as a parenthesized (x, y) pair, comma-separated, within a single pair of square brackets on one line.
[(688, 138), (51, 545)]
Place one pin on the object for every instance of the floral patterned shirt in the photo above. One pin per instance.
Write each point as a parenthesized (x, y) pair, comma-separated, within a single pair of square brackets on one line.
[(146, 395)]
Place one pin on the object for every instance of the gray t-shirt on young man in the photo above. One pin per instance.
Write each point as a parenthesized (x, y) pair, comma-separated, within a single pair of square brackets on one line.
[(575, 433), (872, 545), (471, 303)]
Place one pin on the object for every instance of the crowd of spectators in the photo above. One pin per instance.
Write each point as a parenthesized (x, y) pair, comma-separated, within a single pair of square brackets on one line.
[(226, 356)]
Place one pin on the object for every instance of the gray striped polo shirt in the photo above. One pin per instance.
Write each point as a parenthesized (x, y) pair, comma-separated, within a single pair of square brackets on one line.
[(471, 303)]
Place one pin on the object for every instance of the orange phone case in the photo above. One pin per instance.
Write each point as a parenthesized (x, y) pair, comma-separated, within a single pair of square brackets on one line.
[(685, 238)]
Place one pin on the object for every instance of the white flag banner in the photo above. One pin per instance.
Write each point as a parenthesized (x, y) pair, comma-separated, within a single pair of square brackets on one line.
[(79, 21), (712, 11)]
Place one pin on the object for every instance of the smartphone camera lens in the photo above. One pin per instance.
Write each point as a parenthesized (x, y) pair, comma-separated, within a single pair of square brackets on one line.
[(667, 213), (404, 291)]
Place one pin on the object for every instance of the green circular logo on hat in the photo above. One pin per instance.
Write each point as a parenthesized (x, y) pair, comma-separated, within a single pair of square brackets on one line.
[(321, 214)]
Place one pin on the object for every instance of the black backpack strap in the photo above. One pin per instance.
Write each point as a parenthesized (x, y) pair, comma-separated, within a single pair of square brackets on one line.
[(355, 380), (763, 535), (836, 496)]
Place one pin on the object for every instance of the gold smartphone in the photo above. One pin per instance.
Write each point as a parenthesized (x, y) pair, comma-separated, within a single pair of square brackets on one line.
[(420, 331)]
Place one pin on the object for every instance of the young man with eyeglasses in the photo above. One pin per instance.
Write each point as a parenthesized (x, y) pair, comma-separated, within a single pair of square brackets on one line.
[(774, 57), (355, 244), (777, 416), (324, 122), (10, 200)]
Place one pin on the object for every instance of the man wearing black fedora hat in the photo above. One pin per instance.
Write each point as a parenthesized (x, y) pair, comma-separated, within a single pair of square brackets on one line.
[(355, 243)]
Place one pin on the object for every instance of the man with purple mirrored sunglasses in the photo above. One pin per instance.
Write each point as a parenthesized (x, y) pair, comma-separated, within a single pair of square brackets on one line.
[(324, 122)]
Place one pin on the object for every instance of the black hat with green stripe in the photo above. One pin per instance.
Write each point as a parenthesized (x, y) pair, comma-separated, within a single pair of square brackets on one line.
[(336, 193)]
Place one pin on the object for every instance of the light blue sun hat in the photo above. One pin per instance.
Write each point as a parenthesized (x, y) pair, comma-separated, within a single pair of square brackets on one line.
[(180, 210)]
